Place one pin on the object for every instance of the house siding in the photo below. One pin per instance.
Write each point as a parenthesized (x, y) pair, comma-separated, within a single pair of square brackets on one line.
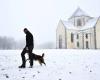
[(98, 34)]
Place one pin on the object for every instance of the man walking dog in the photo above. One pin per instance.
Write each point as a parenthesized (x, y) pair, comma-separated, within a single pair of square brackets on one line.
[(28, 49)]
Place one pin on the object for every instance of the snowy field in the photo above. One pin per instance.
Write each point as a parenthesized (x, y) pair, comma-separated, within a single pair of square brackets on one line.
[(60, 65)]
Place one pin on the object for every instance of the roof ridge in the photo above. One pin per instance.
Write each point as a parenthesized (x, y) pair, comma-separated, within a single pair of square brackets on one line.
[(79, 12)]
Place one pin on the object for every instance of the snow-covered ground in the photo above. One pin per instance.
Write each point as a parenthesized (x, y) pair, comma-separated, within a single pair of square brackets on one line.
[(61, 65)]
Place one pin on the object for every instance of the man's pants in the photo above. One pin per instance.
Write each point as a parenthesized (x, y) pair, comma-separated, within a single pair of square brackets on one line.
[(29, 51)]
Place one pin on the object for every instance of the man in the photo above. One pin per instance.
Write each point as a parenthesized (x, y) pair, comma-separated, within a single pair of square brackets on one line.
[(28, 49)]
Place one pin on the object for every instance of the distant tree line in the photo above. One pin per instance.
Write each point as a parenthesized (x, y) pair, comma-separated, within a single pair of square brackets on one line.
[(6, 43), (10, 43), (47, 45)]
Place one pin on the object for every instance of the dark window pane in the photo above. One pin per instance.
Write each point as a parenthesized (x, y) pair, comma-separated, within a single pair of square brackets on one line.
[(60, 41), (72, 37), (77, 36), (79, 22), (86, 36), (77, 44), (87, 44)]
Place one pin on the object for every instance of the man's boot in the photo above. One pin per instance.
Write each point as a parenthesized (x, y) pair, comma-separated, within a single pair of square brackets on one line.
[(22, 66)]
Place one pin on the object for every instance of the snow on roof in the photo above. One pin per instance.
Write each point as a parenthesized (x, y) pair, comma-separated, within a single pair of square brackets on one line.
[(90, 24), (69, 25), (79, 12)]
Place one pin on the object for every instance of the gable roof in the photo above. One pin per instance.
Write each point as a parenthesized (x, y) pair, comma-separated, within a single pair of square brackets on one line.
[(90, 24), (79, 12)]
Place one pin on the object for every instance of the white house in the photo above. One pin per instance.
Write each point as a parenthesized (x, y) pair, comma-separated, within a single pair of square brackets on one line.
[(80, 31)]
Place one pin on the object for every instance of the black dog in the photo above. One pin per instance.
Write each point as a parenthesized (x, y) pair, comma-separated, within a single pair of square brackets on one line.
[(38, 58)]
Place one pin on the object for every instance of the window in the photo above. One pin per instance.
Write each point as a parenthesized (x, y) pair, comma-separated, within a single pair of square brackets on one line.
[(60, 41), (79, 22), (86, 36), (77, 44), (77, 36), (72, 37), (87, 44)]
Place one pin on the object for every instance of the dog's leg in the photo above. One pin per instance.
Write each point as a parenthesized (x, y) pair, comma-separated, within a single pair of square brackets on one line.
[(44, 63), (40, 62)]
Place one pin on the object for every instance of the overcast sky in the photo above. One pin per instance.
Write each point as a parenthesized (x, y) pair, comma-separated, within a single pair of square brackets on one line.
[(40, 16)]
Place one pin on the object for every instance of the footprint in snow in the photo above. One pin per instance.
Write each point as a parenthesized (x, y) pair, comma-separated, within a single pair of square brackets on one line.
[(38, 71), (33, 76), (90, 70), (70, 72), (23, 77), (2, 69), (6, 75)]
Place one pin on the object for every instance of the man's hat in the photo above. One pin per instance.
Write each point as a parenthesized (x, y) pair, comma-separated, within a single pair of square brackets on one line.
[(25, 29)]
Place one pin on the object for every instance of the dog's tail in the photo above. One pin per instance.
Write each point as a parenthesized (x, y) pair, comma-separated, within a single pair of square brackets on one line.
[(43, 55)]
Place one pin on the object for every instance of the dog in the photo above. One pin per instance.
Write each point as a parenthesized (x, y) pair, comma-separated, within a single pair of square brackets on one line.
[(38, 58)]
